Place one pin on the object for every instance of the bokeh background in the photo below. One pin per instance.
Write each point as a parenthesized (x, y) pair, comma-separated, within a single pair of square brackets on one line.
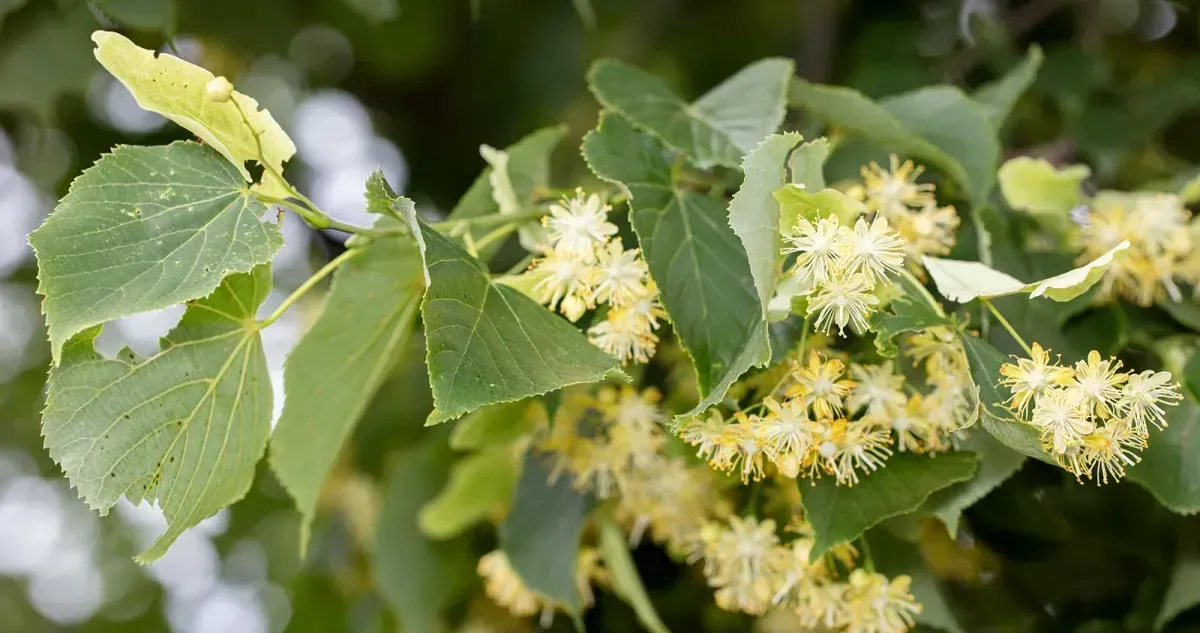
[(414, 87)]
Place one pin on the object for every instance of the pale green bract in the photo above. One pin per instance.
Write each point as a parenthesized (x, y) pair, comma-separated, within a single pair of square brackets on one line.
[(479, 484), (174, 88), (754, 215), (143, 229), (840, 514), (1036, 187), (533, 236), (626, 582), (695, 258), (334, 371), (813, 204), (963, 281), (488, 343), (719, 128), (183, 428)]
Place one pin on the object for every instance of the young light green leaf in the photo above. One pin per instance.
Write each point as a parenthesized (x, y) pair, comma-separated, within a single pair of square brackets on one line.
[(380, 195), (626, 582), (542, 532), (417, 578), (528, 172), (508, 201), (996, 464), (984, 363), (175, 89), (1183, 592), (334, 371), (498, 424), (1170, 466), (801, 202), (754, 215), (956, 125), (998, 97), (700, 267), (719, 128), (488, 343), (1036, 187), (840, 514), (146, 228), (183, 428), (479, 485), (964, 281)]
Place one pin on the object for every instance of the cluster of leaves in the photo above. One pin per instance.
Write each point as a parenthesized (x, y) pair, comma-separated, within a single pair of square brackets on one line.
[(709, 188)]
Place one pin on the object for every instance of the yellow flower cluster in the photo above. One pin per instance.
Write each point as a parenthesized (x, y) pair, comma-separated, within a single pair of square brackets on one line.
[(930, 422), (894, 194), (838, 267), (583, 266), (1164, 244), (1093, 418), (752, 571), (505, 587)]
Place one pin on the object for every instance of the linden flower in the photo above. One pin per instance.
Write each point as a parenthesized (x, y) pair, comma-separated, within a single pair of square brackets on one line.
[(620, 275), (740, 562), (626, 333), (786, 431), (929, 231), (562, 279), (874, 251), (878, 388), (1109, 450), (1143, 396), (909, 424), (1062, 416), (890, 191), (706, 435), (852, 446), (745, 438), (874, 604), (579, 225), (844, 301), (1032, 376), (817, 385), (818, 246), (672, 500), (1097, 380), (505, 587), (632, 408)]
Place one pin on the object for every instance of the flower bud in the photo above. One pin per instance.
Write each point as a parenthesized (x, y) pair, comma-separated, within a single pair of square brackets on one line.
[(219, 90)]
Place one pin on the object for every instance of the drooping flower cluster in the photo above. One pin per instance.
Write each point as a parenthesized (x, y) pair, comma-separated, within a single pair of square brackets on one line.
[(1164, 244), (584, 266), (505, 587), (752, 571), (1093, 418), (910, 208), (838, 267), (930, 422)]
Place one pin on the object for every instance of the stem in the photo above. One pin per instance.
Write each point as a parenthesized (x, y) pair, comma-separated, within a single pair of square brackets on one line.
[(868, 561), (308, 285), (520, 266), (803, 336), (495, 219), (916, 283), (1008, 326), (498, 233)]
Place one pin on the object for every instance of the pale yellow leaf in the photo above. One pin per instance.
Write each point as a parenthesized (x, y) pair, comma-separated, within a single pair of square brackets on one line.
[(963, 281), (1075, 282)]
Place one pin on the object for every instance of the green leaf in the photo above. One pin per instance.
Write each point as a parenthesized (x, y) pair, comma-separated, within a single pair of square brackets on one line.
[(498, 424), (526, 173), (1185, 312), (175, 89), (840, 514), (695, 258), (417, 578), (938, 124), (149, 15), (183, 428), (335, 370), (984, 363), (1170, 466), (998, 97), (904, 314), (626, 582), (57, 42), (964, 281), (542, 532), (996, 464), (719, 128), (146, 228), (894, 557), (1036, 187), (754, 214), (1183, 592), (380, 195), (958, 126), (479, 485), (488, 343), (796, 202)]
